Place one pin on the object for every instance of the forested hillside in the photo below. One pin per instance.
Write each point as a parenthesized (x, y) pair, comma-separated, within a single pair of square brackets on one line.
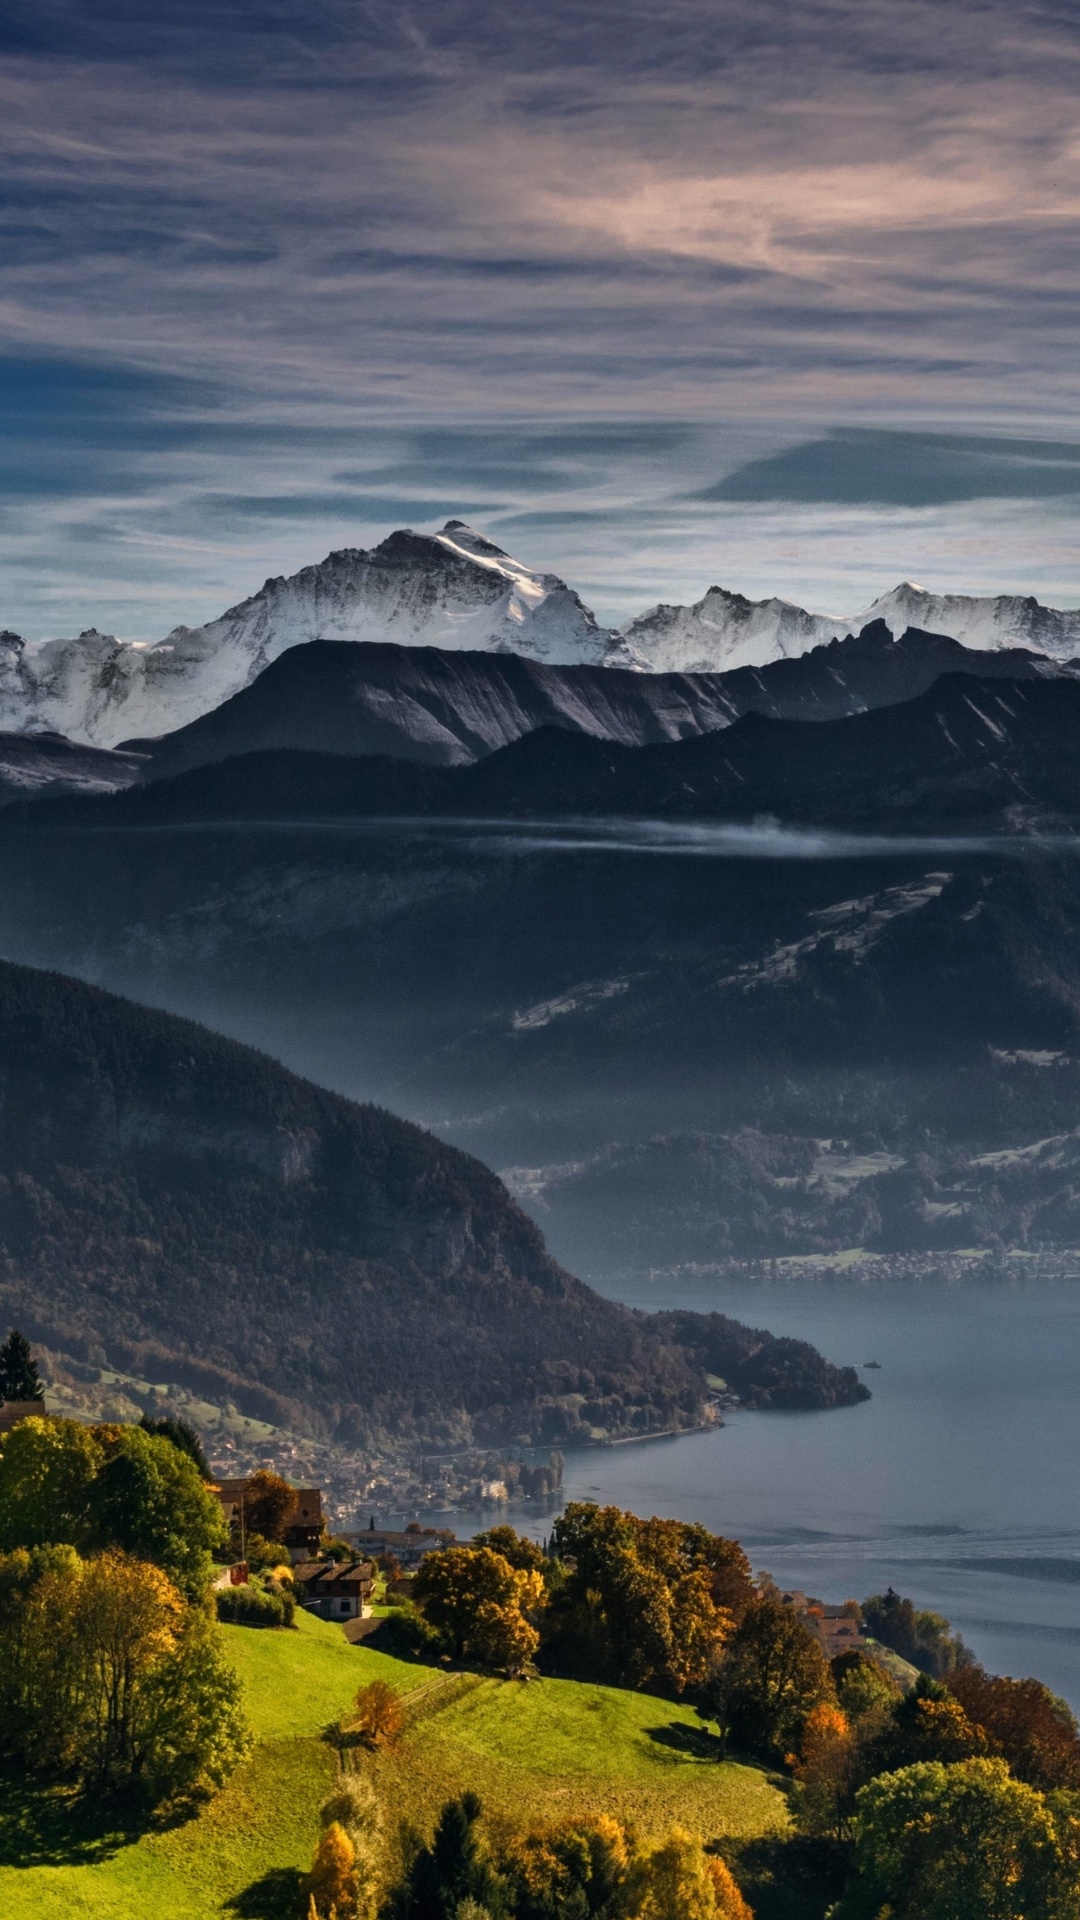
[(170, 1198)]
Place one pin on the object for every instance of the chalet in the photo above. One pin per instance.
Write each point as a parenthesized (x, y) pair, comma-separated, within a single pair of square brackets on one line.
[(303, 1527), (836, 1629), (12, 1411), (408, 1548), (336, 1590)]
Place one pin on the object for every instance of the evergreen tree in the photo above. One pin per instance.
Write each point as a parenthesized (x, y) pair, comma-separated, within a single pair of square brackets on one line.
[(19, 1377)]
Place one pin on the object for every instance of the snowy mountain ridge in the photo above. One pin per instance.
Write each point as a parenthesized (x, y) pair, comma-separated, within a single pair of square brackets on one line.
[(454, 590)]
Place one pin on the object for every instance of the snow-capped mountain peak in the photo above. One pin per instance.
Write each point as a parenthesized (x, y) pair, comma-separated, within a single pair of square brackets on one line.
[(726, 630), (453, 590)]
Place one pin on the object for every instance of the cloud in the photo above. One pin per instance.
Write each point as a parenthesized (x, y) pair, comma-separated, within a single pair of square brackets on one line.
[(267, 245), (857, 466)]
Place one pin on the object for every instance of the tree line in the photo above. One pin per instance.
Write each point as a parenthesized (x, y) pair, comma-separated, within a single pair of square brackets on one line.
[(955, 1796)]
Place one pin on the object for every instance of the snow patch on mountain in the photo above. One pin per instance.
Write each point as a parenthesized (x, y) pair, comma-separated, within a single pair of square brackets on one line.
[(725, 630), (453, 589)]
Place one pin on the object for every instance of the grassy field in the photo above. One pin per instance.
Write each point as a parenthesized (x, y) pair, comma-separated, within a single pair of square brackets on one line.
[(532, 1752)]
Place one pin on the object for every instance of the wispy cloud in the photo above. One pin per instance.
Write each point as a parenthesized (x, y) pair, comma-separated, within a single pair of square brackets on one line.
[(313, 232)]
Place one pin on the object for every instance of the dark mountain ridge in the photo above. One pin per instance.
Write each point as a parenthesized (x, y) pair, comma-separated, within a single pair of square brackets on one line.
[(972, 754), (450, 708), (177, 1202)]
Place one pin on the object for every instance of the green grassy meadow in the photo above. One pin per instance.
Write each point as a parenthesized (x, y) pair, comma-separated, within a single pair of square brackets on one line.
[(533, 1752)]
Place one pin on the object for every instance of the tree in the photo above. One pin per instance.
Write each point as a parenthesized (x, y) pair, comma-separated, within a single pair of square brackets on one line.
[(571, 1871), (519, 1552), (730, 1904), (928, 1723), (1034, 1730), (959, 1842), (674, 1882), (503, 1639), (108, 1487), (379, 1719), (331, 1884), (457, 1590), (47, 1472), (866, 1691), (775, 1674), (700, 1632), (170, 1426), (824, 1771), (644, 1602), (149, 1499), (106, 1674), (440, 1878), (923, 1638), (354, 1808), (19, 1377), (268, 1502)]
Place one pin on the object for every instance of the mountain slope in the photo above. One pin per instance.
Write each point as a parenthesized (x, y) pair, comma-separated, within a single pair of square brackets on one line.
[(449, 708), (971, 755), (169, 1197), (458, 591), (724, 630), (452, 589)]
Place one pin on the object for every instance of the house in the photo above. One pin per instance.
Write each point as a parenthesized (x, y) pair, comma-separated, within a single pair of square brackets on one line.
[(408, 1548), (835, 1630), (303, 1528), (12, 1411), (335, 1590)]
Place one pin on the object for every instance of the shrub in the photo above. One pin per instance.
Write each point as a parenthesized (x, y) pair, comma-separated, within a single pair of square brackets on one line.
[(408, 1636), (251, 1607)]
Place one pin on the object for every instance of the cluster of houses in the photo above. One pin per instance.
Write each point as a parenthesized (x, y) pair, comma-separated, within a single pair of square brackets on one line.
[(334, 1588)]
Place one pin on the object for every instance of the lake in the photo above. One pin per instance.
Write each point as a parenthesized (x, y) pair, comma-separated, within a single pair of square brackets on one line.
[(958, 1482)]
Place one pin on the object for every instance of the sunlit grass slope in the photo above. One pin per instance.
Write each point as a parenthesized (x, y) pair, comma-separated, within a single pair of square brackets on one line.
[(533, 1753)]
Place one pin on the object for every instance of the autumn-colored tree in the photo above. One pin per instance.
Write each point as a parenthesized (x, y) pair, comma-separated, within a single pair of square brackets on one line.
[(378, 1715), (106, 1674), (516, 1549), (1034, 1730), (928, 1723), (700, 1632), (268, 1502), (774, 1675), (674, 1882), (644, 1602), (824, 1770), (353, 1806), (959, 1842), (331, 1884), (575, 1868), (730, 1904), (479, 1601)]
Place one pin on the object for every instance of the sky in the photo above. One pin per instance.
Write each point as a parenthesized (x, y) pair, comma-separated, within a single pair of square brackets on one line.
[(659, 293)]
